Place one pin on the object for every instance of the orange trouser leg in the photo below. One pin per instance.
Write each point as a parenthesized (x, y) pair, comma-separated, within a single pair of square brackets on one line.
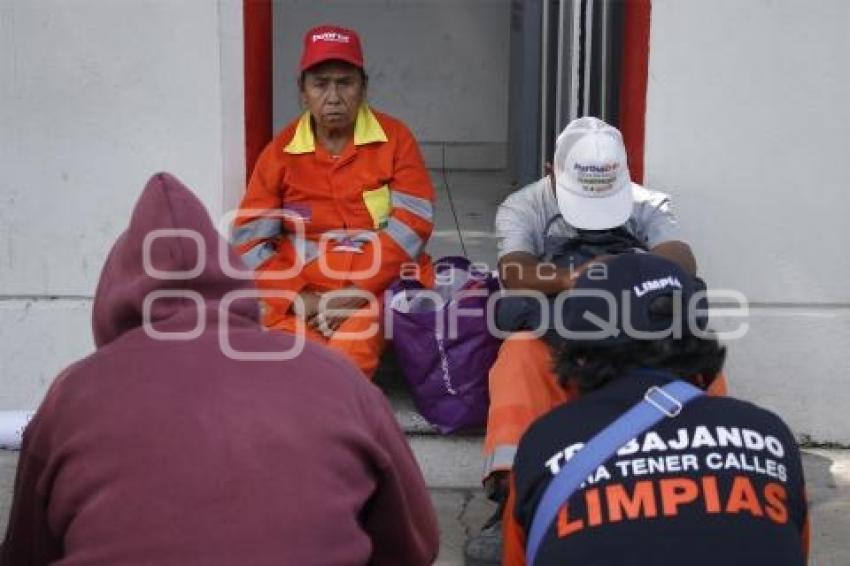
[(522, 388), (360, 338)]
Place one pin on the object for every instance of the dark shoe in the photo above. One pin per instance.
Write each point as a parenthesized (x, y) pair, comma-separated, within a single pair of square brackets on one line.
[(485, 548)]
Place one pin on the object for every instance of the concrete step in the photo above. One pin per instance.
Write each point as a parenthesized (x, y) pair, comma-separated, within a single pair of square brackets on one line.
[(447, 461)]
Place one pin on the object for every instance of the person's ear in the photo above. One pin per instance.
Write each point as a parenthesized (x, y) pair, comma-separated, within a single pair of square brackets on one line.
[(302, 97)]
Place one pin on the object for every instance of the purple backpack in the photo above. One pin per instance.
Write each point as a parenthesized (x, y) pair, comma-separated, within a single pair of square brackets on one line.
[(444, 351)]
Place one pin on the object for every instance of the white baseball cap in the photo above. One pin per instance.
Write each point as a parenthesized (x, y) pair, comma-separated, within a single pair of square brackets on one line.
[(592, 183)]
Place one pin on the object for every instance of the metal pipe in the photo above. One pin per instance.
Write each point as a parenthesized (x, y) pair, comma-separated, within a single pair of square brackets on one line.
[(588, 55), (559, 83), (575, 60), (544, 82), (603, 61)]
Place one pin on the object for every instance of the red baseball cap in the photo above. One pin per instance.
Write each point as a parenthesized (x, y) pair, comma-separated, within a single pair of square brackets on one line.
[(323, 43)]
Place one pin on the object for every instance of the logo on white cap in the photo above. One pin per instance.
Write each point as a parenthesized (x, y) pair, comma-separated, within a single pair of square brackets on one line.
[(596, 180), (593, 166), (592, 181)]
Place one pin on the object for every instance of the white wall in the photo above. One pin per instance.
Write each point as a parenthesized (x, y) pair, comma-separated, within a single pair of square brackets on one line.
[(748, 127), (95, 96), (442, 66)]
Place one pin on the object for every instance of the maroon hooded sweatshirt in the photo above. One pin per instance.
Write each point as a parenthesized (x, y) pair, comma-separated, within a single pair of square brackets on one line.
[(164, 451)]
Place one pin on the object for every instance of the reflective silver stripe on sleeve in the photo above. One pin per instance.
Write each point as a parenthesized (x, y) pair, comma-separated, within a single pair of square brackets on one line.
[(418, 206), (307, 250), (360, 239), (258, 254), (256, 230), (365, 237), (502, 458), (405, 237)]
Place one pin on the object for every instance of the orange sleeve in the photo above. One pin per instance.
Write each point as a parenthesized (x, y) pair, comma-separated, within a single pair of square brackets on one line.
[(258, 228), (410, 222), (513, 553)]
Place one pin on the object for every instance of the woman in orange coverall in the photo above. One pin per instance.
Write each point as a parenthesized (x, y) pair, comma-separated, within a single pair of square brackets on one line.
[(339, 205)]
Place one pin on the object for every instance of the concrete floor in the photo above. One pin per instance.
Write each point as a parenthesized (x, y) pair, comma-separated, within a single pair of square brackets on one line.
[(461, 512), (464, 213)]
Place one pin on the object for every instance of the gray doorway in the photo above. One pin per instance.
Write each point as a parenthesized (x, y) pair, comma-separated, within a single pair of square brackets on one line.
[(565, 63)]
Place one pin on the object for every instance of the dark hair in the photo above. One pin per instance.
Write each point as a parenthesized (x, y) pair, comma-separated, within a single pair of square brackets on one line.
[(590, 367)]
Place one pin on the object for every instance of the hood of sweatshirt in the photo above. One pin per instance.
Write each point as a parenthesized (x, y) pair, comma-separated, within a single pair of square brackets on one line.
[(168, 260)]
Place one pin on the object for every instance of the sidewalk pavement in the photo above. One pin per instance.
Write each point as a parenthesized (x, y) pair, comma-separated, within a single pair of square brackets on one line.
[(462, 511)]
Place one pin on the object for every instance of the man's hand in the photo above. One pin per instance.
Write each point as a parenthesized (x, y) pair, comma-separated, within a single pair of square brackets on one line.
[(308, 306), (335, 307), (677, 251), (522, 270)]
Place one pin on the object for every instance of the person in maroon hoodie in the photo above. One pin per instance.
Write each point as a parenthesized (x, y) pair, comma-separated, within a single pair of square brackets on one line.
[(169, 452)]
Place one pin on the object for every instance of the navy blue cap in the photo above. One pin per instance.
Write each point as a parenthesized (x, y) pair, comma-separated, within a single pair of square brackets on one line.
[(633, 296)]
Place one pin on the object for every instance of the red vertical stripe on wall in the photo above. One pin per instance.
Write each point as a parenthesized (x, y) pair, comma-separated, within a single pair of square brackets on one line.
[(635, 70), (257, 21)]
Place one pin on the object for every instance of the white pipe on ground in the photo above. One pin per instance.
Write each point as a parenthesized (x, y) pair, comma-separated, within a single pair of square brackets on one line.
[(12, 425)]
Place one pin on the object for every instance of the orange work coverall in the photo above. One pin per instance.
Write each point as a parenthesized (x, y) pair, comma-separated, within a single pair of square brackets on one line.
[(310, 221)]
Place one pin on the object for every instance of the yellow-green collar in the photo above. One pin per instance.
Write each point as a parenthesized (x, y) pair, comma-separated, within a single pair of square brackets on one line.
[(367, 129)]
